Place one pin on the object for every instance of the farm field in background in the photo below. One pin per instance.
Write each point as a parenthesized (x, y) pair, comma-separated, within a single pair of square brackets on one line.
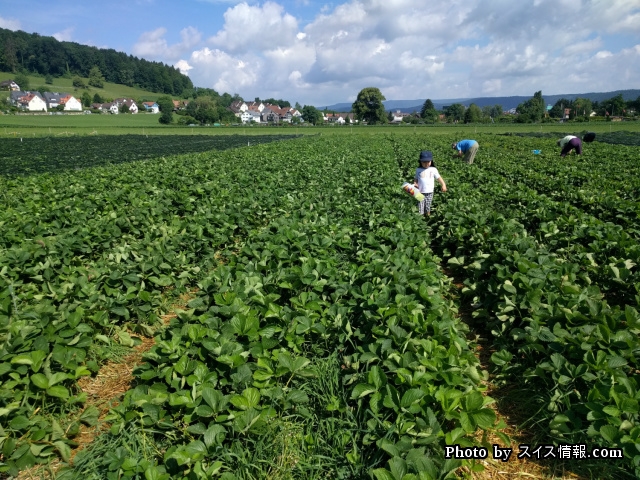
[(318, 335), (42, 154), (28, 125)]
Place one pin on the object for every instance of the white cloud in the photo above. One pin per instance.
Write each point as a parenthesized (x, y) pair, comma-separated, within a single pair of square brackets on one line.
[(603, 54), (183, 66), (64, 35), (612, 16), (249, 28), (444, 49), (153, 44), (224, 72), (492, 87), (10, 24), (583, 47)]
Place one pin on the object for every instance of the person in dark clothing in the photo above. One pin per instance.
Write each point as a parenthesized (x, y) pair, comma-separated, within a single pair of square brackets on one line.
[(569, 143)]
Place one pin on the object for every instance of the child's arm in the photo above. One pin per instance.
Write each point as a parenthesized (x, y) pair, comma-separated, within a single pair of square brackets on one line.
[(442, 184)]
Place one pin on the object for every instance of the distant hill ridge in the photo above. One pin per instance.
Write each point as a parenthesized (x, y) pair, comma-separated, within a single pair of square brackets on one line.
[(44, 55), (409, 106)]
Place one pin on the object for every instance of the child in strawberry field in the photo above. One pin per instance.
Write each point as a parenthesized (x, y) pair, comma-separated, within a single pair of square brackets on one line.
[(424, 179)]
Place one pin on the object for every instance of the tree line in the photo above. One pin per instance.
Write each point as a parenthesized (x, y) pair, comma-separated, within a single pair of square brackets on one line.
[(369, 108), (22, 52)]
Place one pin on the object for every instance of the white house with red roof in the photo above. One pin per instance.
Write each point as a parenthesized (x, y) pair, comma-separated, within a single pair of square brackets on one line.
[(30, 101), (54, 99), (71, 104)]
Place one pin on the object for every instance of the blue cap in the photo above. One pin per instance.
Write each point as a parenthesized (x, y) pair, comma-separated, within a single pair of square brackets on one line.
[(426, 156)]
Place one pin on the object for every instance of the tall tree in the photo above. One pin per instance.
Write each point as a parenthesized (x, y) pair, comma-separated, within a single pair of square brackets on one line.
[(557, 111), (95, 77), (203, 109), (533, 109), (428, 111), (369, 107), (455, 112), (614, 106), (311, 114), (86, 99), (473, 114), (10, 59), (23, 81), (166, 109), (581, 107)]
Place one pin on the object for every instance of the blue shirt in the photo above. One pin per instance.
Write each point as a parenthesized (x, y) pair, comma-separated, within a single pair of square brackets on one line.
[(464, 145)]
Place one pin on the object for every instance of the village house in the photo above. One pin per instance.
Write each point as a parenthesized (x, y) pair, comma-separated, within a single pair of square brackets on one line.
[(109, 107), (30, 101), (255, 116), (276, 114), (55, 99), (245, 117), (9, 85), (238, 107), (256, 106), (151, 107), (272, 113), (262, 113), (131, 105), (179, 105), (339, 118)]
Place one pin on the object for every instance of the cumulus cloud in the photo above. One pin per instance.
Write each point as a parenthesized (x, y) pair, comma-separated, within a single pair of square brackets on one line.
[(444, 49), (183, 66), (153, 44), (253, 27), (9, 23), (583, 47), (225, 72), (64, 35)]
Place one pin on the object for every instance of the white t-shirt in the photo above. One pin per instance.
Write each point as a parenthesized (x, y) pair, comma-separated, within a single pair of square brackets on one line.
[(426, 178), (566, 140)]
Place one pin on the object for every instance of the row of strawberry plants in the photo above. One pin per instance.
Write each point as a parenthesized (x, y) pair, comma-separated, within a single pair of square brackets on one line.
[(28, 156), (603, 181), (540, 292), (337, 274), (607, 252), (84, 256)]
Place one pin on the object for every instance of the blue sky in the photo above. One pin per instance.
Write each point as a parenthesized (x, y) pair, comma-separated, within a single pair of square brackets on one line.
[(320, 53)]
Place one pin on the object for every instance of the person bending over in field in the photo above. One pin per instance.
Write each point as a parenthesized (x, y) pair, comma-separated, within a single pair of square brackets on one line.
[(468, 148), (568, 143), (426, 173)]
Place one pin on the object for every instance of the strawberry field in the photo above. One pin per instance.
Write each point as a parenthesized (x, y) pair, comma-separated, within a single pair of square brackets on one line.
[(321, 337)]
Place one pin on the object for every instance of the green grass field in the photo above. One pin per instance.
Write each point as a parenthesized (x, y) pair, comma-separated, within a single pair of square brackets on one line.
[(29, 125), (110, 90)]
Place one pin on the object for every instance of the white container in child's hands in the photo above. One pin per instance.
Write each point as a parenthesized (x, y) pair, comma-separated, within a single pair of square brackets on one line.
[(413, 191)]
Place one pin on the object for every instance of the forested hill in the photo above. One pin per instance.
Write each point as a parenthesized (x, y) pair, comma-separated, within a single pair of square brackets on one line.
[(34, 53)]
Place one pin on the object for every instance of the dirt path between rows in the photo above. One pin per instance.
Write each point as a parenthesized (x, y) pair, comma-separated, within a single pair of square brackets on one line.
[(106, 389), (505, 410)]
